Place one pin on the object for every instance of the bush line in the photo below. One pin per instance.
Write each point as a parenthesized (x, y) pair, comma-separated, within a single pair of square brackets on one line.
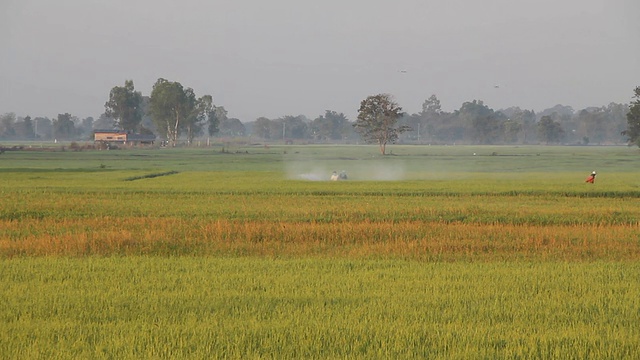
[(149, 176)]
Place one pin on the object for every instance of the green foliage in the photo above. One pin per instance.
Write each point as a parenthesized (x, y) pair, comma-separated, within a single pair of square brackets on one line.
[(483, 125), (377, 119), (293, 127), (550, 131), (125, 106), (261, 128), (63, 127), (232, 127), (330, 126), (170, 106), (7, 122), (633, 120), (431, 106), (175, 109), (510, 130), (217, 117)]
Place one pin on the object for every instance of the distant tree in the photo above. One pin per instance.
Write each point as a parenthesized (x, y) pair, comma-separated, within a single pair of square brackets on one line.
[(232, 127), (7, 122), (483, 125), (29, 131), (217, 116), (261, 128), (510, 130), (377, 120), (104, 122), (449, 128), (147, 126), (166, 106), (616, 118), (525, 118), (413, 121), (43, 127), (528, 120), (63, 127), (293, 127), (431, 106), (321, 129), (633, 120), (24, 128), (563, 115), (550, 131), (201, 109), (289, 127), (430, 120), (330, 126), (277, 129), (172, 108), (592, 124), (560, 111), (124, 106), (86, 127), (487, 129)]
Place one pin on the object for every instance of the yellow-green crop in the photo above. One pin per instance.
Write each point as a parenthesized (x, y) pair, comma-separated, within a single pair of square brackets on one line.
[(194, 253), (203, 307)]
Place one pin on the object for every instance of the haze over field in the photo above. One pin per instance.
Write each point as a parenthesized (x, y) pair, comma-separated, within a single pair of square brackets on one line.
[(368, 171), (293, 57)]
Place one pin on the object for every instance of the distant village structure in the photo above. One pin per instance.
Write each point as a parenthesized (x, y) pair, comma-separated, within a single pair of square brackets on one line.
[(122, 137)]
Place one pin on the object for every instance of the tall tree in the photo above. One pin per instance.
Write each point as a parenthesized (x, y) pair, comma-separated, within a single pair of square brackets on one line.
[(147, 126), (429, 119), (199, 110), (633, 120), (63, 127), (483, 125), (43, 127), (261, 128), (86, 126), (7, 122), (510, 130), (331, 126), (217, 116), (124, 106), (592, 124), (104, 122), (377, 120), (527, 118), (431, 106), (558, 112), (232, 127), (24, 128), (550, 131), (293, 127), (170, 105)]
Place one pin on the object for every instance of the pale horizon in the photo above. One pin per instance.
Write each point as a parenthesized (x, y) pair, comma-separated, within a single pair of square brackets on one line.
[(288, 57)]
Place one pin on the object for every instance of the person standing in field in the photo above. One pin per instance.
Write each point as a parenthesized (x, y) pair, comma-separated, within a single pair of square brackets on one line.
[(592, 178)]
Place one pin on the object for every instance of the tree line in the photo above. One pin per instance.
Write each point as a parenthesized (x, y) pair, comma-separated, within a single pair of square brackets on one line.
[(174, 113)]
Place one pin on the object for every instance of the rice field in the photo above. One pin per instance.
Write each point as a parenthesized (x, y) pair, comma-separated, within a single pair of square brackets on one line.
[(244, 307), (251, 253)]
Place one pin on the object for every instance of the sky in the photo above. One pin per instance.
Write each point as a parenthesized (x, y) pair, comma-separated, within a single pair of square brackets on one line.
[(297, 57)]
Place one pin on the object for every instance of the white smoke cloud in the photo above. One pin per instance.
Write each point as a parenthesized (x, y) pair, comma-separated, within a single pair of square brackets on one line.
[(358, 170)]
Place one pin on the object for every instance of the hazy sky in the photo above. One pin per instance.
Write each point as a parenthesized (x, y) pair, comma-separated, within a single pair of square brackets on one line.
[(290, 57)]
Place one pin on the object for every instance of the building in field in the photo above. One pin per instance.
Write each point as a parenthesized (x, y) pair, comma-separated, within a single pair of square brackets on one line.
[(122, 137)]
